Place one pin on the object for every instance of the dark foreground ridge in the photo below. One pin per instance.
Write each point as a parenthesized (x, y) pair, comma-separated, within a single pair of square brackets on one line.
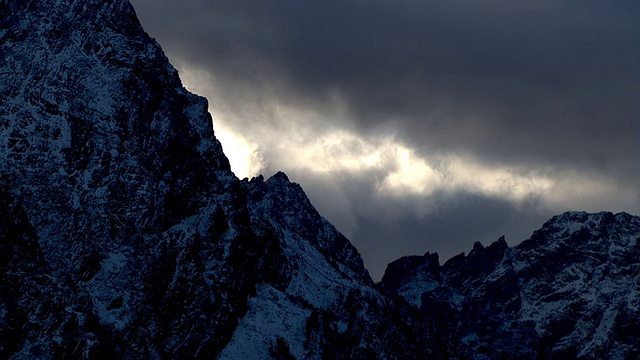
[(124, 234)]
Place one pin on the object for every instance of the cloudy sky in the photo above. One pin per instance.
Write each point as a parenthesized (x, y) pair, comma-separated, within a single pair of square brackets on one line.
[(421, 126)]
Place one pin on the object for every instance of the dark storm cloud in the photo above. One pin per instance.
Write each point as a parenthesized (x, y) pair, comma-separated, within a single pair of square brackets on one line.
[(542, 82)]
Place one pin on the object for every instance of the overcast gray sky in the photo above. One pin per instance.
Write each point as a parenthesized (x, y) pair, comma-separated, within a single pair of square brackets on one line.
[(421, 126)]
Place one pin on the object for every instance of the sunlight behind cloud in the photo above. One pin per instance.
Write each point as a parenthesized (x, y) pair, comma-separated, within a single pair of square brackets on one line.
[(294, 137), (244, 156), (412, 174)]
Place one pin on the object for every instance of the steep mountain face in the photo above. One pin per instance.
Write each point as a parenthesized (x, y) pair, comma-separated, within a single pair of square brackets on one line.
[(115, 172), (570, 291), (124, 233)]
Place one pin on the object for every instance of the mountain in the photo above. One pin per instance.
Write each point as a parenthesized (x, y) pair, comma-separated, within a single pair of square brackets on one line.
[(124, 233), (570, 291)]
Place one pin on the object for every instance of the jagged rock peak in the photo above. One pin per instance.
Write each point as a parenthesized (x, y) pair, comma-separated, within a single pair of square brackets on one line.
[(286, 201), (82, 60), (93, 112), (397, 272), (280, 177)]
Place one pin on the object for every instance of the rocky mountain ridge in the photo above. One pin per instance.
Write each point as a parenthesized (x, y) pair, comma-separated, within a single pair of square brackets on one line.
[(571, 290), (124, 234)]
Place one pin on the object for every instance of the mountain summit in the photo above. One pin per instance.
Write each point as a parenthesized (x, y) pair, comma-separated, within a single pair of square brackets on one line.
[(124, 234)]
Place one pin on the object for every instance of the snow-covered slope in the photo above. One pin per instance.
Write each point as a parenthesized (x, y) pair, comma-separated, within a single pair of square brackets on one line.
[(570, 291)]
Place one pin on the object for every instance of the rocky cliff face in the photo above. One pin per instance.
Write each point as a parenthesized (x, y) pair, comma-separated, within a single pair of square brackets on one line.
[(570, 291), (124, 234)]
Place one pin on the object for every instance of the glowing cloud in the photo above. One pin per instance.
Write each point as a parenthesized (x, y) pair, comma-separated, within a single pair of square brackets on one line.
[(297, 137), (244, 156)]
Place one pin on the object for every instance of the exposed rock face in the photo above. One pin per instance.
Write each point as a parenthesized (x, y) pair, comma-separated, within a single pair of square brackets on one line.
[(570, 291), (124, 234)]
